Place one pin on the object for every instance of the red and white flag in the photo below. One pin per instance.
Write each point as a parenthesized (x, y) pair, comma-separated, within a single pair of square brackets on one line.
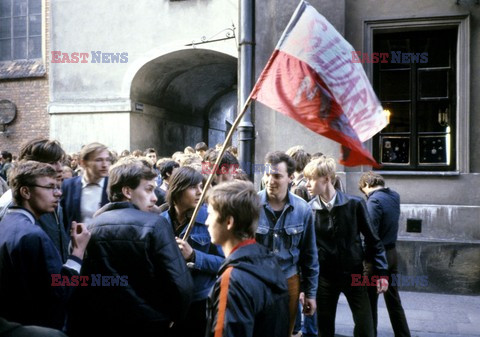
[(311, 78)]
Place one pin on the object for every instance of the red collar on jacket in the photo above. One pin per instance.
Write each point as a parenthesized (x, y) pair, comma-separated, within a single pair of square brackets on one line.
[(243, 243)]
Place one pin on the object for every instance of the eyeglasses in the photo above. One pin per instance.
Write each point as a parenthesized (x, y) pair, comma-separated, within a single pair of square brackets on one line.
[(53, 188)]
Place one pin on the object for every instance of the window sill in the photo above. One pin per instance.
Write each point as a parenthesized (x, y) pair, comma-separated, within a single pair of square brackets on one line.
[(418, 173), (22, 69)]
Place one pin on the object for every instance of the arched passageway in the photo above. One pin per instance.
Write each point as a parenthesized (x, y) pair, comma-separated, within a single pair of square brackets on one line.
[(182, 98)]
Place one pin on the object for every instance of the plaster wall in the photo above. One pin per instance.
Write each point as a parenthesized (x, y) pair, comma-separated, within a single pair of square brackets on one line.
[(75, 130), (144, 30)]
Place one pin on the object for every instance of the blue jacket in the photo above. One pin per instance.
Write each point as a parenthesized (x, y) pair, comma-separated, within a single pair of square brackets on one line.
[(384, 210), (28, 259), (72, 197), (51, 223), (208, 257), (339, 241), (291, 238), (256, 295)]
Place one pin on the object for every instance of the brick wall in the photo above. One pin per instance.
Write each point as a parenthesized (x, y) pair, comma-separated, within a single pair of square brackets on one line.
[(31, 96)]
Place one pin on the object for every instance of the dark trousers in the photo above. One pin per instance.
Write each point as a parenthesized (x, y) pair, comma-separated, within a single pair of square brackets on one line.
[(392, 300), (329, 290)]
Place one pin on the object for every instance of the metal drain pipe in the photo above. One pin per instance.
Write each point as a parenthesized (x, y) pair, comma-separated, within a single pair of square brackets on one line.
[(245, 83)]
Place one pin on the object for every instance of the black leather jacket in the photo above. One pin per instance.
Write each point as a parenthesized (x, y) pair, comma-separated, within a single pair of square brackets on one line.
[(141, 246), (339, 244)]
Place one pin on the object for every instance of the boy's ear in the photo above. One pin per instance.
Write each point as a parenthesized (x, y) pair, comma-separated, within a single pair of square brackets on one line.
[(230, 223), (127, 192), (25, 192)]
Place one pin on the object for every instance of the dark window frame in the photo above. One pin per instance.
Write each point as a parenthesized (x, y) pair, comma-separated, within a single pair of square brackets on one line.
[(411, 141)]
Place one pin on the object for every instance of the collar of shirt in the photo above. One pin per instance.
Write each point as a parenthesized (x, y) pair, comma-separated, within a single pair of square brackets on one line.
[(329, 204), (85, 183)]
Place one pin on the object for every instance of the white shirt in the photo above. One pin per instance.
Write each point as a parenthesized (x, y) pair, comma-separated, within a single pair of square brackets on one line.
[(91, 198), (329, 204)]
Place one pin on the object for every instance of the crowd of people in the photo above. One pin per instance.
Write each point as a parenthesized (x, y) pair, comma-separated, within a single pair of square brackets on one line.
[(93, 244)]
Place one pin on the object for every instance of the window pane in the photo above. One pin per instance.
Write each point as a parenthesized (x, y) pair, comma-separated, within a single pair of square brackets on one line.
[(5, 50), (19, 49), (432, 150), (435, 46), (395, 150), (34, 25), (394, 45), (433, 116), (399, 117), (34, 6), (394, 85), (20, 26), (5, 8), (35, 47), (19, 7), (5, 28), (433, 84)]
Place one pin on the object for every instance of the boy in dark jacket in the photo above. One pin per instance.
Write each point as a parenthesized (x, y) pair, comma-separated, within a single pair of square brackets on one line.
[(250, 296), (340, 220), (29, 261), (139, 281), (384, 209)]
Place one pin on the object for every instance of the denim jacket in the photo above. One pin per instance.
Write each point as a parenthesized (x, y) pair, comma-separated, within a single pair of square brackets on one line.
[(291, 238), (208, 257)]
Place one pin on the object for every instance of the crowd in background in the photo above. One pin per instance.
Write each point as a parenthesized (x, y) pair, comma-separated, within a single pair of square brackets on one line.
[(96, 224)]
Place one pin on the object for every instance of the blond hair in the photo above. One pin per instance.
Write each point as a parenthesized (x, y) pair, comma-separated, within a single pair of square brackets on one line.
[(321, 167)]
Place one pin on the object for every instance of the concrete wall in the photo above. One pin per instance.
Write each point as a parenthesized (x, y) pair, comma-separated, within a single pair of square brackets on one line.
[(448, 205), (447, 250), (144, 30)]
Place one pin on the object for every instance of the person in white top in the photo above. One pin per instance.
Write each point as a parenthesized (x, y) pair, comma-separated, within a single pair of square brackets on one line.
[(84, 195)]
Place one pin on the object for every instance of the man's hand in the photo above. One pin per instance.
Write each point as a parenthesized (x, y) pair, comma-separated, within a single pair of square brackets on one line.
[(382, 285), (309, 306), (185, 248), (80, 236)]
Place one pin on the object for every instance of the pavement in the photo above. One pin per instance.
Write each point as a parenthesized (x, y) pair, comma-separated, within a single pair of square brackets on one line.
[(428, 315)]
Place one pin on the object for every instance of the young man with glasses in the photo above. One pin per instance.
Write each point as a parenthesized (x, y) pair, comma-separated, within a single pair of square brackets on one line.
[(28, 257), (47, 151)]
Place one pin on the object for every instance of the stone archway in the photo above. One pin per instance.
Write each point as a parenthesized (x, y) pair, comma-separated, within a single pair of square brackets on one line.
[(182, 98)]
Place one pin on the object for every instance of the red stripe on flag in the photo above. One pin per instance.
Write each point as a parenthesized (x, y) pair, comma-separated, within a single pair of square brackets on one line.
[(293, 88)]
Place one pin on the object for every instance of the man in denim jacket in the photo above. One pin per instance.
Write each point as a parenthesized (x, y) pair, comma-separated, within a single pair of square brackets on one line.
[(286, 228)]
